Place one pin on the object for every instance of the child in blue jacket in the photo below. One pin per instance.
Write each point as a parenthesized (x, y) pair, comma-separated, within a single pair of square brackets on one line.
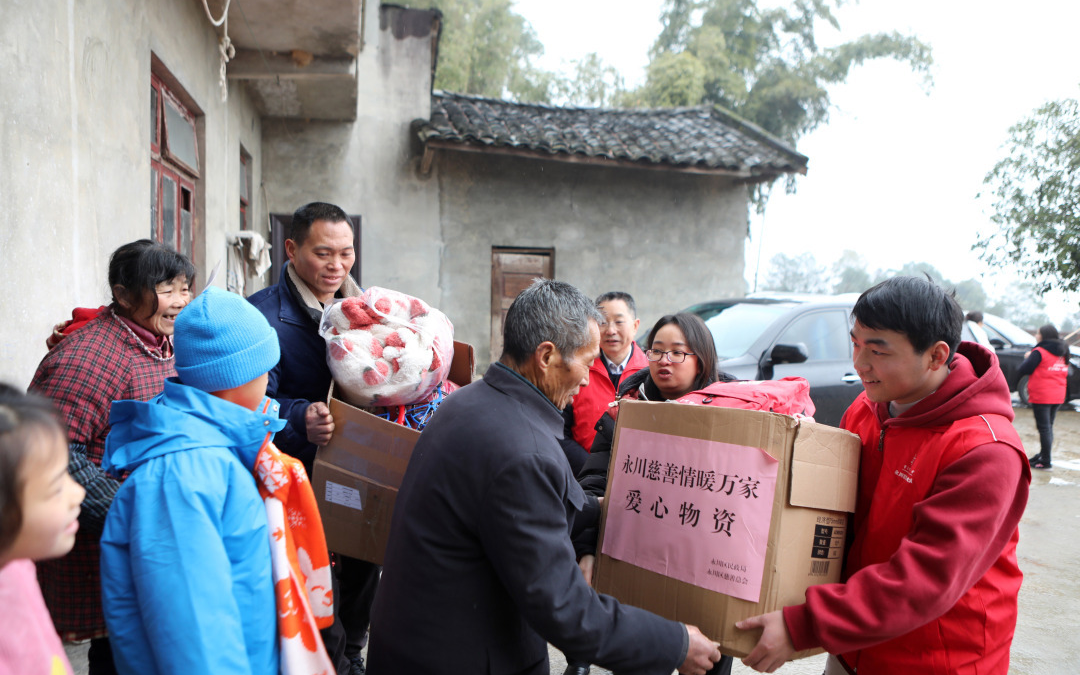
[(187, 579)]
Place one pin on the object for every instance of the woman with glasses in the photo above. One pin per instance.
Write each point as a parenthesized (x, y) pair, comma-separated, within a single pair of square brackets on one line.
[(682, 359)]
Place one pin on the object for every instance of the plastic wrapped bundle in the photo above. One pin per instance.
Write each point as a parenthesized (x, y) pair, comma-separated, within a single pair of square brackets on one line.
[(387, 348)]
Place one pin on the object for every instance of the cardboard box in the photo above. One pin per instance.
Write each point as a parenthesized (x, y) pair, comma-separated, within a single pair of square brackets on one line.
[(358, 472), (716, 467)]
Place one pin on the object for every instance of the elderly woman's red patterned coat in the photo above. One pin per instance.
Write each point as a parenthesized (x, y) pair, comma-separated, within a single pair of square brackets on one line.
[(98, 364)]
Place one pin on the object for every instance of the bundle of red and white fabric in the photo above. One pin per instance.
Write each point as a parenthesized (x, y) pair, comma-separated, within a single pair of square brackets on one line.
[(387, 348)]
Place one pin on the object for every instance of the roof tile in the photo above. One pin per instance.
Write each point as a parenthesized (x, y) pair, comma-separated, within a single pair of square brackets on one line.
[(703, 137)]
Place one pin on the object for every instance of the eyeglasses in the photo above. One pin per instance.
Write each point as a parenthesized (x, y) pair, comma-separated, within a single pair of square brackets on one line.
[(673, 356)]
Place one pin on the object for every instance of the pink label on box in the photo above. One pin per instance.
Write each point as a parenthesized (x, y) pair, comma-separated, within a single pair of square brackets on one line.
[(693, 510)]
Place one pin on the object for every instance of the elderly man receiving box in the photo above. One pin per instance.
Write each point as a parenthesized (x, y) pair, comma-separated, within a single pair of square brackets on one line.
[(321, 253), (479, 570)]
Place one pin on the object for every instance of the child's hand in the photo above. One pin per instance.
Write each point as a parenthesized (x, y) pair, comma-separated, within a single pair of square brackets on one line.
[(320, 424)]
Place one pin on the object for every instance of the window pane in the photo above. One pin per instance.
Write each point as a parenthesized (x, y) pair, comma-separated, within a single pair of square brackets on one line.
[(153, 203), (168, 210), (185, 233), (154, 116), (825, 335), (180, 136), (736, 327)]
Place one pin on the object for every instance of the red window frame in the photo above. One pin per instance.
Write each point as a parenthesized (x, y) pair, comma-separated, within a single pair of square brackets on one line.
[(172, 181)]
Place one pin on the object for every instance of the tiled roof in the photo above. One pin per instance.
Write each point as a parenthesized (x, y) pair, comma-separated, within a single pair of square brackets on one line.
[(703, 138)]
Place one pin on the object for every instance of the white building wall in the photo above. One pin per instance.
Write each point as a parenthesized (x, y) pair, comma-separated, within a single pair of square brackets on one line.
[(75, 151), (369, 167)]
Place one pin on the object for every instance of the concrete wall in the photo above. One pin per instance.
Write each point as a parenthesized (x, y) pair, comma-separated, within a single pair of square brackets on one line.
[(75, 151), (369, 167), (666, 238), (432, 236)]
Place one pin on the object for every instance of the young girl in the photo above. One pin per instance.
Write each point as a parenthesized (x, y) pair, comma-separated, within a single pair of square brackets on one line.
[(39, 511)]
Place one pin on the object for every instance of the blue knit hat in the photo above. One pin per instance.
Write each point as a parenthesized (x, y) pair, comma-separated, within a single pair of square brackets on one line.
[(221, 341)]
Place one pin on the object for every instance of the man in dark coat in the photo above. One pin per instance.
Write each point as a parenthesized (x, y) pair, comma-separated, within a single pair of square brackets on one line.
[(479, 570), (320, 251)]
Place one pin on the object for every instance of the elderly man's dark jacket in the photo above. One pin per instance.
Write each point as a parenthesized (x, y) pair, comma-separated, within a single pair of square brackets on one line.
[(479, 571)]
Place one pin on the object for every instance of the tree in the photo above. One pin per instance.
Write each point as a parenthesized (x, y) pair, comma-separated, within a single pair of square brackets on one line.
[(674, 80), (971, 295), (594, 83), (917, 269), (762, 64), (1036, 193), (850, 273), (486, 48), (800, 274), (1069, 325), (1023, 305)]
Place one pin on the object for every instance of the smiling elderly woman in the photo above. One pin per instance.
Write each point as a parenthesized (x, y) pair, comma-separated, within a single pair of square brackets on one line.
[(125, 352)]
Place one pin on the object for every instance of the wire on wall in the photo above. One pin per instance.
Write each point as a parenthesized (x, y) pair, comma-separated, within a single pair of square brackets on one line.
[(226, 51)]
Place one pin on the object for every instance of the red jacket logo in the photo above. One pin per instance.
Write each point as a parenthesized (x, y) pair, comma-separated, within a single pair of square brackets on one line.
[(908, 472)]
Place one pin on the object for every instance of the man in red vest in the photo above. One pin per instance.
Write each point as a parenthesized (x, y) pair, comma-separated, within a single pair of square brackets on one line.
[(931, 578), (619, 359)]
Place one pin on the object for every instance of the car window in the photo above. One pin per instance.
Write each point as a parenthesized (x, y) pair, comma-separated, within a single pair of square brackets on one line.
[(1007, 332), (735, 328), (826, 335)]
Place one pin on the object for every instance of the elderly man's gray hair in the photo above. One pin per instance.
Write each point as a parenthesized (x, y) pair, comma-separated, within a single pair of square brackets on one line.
[(548, 311)]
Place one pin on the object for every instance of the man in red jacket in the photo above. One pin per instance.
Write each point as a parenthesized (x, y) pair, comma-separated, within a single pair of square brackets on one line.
[(619, 359), (931, 576)]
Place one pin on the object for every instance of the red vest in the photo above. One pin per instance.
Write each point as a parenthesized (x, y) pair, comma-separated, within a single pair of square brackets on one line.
[(1048, 383), (592, 401), (898, 470)]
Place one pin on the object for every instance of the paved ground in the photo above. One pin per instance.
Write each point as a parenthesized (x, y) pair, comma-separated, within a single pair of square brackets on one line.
[(1047, 636)]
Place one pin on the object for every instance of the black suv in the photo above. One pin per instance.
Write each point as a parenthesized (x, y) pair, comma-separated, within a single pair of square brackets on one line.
[(766, 337)]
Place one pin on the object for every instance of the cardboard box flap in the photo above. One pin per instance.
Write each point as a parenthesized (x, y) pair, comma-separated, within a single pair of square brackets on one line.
[(368, 445), (463, 365), (824, 468)]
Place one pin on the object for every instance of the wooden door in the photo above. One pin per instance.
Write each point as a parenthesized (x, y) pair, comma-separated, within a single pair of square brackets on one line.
[(512, 270)]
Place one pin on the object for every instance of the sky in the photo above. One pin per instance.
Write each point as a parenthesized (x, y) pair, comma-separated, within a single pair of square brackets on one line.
[(895, 172)]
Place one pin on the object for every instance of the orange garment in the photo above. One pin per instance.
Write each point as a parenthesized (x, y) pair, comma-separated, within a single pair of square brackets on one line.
[(301, 562)]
